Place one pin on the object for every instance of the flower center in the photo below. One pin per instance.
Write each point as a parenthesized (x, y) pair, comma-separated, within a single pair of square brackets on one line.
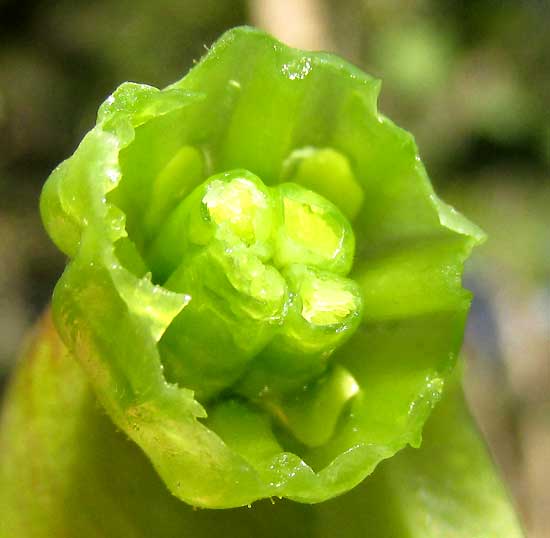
[(265, 268)]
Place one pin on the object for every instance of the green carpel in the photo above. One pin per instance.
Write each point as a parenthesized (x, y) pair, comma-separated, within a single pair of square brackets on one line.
[(329, 173), (184, 171)]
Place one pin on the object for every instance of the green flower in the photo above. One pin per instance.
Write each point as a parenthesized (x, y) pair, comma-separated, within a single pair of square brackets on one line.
[(264, 290)]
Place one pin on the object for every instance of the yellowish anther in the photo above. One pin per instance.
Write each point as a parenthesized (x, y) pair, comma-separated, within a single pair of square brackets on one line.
[(235, 205), (326, 302), (307, 225)]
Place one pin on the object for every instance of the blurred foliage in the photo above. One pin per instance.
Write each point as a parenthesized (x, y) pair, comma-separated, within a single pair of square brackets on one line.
[(470, 78), (59, 60)]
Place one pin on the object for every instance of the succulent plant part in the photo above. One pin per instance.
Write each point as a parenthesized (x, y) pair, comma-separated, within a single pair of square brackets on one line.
[(263, 296), (264, 290)]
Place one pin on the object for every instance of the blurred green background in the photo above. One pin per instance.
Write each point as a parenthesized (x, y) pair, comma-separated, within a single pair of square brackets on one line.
[(471, 80)]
